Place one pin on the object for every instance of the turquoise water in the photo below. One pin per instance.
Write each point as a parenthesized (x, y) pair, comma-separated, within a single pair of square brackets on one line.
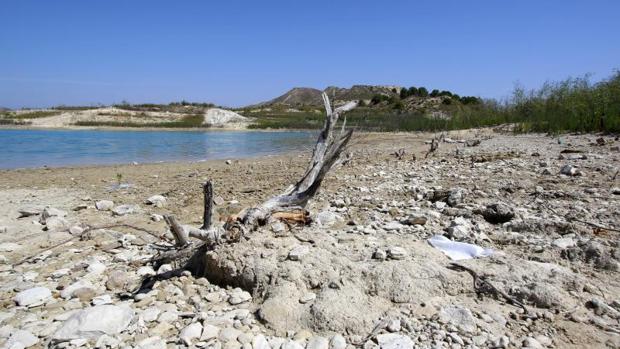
[(21, 148)]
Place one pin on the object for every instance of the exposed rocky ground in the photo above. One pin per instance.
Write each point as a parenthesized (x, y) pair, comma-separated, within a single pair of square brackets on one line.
[(362, 274)]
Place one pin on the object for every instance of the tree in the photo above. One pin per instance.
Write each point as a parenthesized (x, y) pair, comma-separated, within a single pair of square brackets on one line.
[(404, 93), (413, 91), (422, 92), (434, 93)]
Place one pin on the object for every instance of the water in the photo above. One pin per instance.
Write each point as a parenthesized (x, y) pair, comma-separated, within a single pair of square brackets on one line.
[(36, 148)]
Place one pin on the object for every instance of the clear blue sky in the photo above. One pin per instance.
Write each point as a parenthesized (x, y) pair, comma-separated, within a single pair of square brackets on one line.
[(239, 52)]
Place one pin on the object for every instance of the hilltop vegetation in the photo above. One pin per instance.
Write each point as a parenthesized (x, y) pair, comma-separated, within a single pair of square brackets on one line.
[(574, 104)]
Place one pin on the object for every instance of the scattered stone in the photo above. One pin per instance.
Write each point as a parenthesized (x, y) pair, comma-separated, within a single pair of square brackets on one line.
[(395, 252), (415, 220), (123, 210), (33, 296), (96, 321), (394, 325), (392, 226), (298, 252), (498, 213), (327, 218), (278, 227), (152, 343), (9, 247), (76, 230), (21, 339), (117, 280), (317, 342), (564, 243), (56, 224), (239, 297), (458, 316), (394, 341), (337, 342), (569, 170), (307, 297), (104, 205), (28, 212), (532, 343), (190, 333), (156, 200), (260, 342), (210, 332), (379, 254)]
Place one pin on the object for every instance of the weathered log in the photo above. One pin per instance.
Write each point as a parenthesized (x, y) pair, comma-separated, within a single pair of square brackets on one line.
[(180, 235), (326, 152), (288, 205), (207, 190)]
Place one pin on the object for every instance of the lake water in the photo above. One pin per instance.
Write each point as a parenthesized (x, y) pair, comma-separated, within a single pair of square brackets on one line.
[(20, 148)]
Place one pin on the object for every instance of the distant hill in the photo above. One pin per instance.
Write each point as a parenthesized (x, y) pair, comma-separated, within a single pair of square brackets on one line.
[(305, 96)]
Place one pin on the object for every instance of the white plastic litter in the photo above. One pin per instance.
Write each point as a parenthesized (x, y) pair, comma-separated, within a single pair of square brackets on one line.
[(458, 250)]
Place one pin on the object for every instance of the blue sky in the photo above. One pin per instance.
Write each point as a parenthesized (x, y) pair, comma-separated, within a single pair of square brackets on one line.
[(240, 52)]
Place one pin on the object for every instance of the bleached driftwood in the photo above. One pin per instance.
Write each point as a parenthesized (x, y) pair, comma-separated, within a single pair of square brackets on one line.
[(287, 205)]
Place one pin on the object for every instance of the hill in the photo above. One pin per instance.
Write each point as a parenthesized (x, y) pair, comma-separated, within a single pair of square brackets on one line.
[(305, 96)]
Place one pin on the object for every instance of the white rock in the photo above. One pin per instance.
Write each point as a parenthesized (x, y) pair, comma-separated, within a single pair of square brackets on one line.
[(67, 292), (278, 227), (337, 342), (56, 224), (564, 243), (96, 267), (229, 334), (156, 200), (145, 271), (260, 342), (307, 297), (239, 297), (152, 343), (9, 247), (150, 314), (327, 218), (104, 205), (395, 252), (96, 321), (49, 212), (101, 300), (298, 252), (459, 317), (394, 325), (317, 342), (21, 339), (33, 296), (106, 341), (76, 230), (191, 332), (122, 210), (391, 226), (156, 217), (168, 316), (78, 342), (291, 344), (209, 332), (532, 343), (164, 268), (394, 341)]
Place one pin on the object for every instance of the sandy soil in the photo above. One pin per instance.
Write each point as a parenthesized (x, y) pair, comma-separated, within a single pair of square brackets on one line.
[(564, 270)]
